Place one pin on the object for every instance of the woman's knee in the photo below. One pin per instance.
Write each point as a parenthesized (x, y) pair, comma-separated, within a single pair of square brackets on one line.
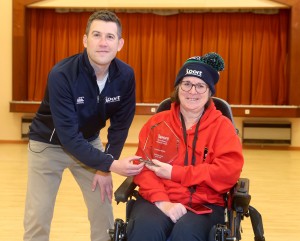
[(197, 227), (147, 222), (146, 229)]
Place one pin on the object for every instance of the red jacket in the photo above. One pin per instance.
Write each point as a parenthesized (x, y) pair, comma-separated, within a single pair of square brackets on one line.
[(212, 176)]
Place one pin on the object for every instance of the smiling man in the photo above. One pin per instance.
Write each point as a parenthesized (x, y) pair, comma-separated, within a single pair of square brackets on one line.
[(82, 92)]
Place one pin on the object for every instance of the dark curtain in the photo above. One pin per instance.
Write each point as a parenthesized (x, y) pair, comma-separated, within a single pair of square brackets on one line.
[(254, 47)]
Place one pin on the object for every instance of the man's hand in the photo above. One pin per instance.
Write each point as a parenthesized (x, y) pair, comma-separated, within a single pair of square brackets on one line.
[(104, 180), (161, 169), (126, 167), (173, 210)]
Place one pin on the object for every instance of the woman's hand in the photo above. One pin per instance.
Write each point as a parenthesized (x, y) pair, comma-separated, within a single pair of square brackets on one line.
[(173, 210), (161, 169)]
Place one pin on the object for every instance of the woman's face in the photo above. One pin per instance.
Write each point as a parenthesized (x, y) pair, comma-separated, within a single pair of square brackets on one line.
[(193, 94)]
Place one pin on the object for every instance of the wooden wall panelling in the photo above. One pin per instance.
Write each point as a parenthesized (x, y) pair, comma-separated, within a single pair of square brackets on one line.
[(19, 48)]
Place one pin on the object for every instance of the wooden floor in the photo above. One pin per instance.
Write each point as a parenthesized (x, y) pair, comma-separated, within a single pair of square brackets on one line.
[(274, 185)]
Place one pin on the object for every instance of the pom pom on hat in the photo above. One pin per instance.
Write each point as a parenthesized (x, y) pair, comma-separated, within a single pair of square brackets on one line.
[(204, 67), (214, 60)]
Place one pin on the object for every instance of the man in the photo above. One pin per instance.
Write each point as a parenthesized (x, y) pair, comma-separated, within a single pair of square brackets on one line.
[(82, 92)]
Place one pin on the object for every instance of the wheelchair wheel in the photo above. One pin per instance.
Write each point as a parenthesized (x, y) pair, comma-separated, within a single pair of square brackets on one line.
[(119, 231)]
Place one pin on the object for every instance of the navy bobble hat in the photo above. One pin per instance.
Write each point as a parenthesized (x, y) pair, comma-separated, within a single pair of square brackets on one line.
[(204, 67)]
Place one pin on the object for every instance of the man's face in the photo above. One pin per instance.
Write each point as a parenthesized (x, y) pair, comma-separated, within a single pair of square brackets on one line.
[(102, 42)]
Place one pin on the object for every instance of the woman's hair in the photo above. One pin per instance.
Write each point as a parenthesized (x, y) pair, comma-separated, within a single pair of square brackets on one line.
[(106, 16)]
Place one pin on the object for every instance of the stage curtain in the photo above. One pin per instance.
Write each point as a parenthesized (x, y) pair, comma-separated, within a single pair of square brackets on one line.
[(254, 47)]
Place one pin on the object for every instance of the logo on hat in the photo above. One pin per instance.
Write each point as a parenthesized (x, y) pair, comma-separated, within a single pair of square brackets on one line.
[(193, 72)]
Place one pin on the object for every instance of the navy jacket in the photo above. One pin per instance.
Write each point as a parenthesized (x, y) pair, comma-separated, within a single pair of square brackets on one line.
[(73, 111)]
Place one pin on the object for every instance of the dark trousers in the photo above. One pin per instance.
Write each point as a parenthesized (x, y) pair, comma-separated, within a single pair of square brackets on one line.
[(148, 223)]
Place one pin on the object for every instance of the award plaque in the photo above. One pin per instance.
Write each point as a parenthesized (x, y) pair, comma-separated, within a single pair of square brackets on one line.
[(162, 143)]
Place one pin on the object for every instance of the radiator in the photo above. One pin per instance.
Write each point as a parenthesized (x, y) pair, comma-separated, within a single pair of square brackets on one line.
[(255, 132)]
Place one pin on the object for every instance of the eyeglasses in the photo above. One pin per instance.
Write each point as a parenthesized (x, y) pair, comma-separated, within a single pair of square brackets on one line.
[(187, 86)]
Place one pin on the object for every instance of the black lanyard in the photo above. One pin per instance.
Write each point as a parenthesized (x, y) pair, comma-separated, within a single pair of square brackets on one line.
[(192, 188), (185, 141)]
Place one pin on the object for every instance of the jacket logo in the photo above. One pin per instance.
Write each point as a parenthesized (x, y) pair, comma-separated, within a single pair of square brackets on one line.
[(80, 100), (112, 99), (193, 72)]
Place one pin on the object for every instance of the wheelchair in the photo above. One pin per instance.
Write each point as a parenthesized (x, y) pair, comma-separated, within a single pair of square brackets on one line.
[(237, 200)]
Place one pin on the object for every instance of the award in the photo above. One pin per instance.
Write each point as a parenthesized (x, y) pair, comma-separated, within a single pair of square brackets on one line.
[(162, 143)]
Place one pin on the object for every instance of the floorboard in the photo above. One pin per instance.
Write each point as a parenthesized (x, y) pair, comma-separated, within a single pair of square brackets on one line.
[(274, 187)]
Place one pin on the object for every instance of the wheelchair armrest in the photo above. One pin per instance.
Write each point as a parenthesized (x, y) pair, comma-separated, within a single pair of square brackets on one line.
[(241, 197), (125, 190)]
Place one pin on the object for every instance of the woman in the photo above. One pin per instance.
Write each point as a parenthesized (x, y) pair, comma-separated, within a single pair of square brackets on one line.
[(196, 155)]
